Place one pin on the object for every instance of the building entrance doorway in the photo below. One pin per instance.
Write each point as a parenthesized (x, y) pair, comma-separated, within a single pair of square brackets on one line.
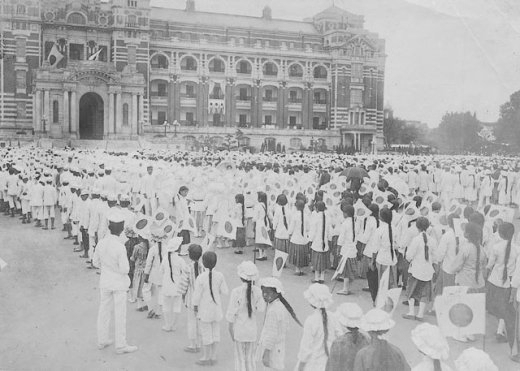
[(91, 116)]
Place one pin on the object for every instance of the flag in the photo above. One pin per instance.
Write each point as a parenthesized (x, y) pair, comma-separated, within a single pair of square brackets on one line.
[(340, 268), (461, 314), (3, 264), (95, 56), (262, 235), (387, 299), (54, 56), (280, 258), (228, 229)]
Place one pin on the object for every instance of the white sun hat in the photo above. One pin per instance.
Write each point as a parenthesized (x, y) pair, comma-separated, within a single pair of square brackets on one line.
[(429, 340), (318, 295), (377, 320), (473, 359), (248, 271)]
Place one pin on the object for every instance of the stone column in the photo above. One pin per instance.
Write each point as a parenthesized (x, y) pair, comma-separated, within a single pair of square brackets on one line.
[(141, 108), (227, 104), (118, 122), (37, 110), (200, 104), (254, 111), (310, 106), (46, 102), (232, 105), (66, 119), (171, 102), (133, 122), (305, 109), (328, 110), (280, 107), (111, 128), (177, 101), (74, 114)]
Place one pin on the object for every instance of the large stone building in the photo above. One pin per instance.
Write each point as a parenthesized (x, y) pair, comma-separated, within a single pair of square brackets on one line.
[(86, 69)]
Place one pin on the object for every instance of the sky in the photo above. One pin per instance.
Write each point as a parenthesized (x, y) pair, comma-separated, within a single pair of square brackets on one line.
[(442, 55)]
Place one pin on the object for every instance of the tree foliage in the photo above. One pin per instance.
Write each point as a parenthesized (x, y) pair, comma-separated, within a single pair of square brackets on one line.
[(397, 131), (458, 133), (508, 128)]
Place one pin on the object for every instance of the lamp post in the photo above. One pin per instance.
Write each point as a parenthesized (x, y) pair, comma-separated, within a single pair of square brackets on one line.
[(175, 126), (165, 124)]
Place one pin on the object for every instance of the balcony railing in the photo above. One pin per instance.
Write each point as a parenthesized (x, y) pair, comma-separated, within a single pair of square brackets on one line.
[(295, 100), (158, 67), (189, 96), (216, 96), (296, 75), (270, 73), (320, 101), (158, 94), (217, 70), (243, 98), (270, 99), (189, 68)]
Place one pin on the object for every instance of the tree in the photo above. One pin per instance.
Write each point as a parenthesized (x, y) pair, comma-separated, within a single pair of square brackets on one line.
[(458, 133), (508, 127), (230, 142)]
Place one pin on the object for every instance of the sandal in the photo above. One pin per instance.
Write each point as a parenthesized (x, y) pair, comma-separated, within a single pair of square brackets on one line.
[(409, 316), (191, 350), (345, 293), (203, 362)]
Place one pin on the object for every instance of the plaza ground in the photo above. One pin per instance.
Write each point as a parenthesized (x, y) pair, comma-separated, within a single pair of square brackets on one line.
[(49, 302)]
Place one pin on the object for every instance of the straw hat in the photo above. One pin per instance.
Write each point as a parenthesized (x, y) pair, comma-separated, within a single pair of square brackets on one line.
[(349, 314), (248, 271), (473, 359), (377, 320), (318, 295), (273, 283), (429, 340)]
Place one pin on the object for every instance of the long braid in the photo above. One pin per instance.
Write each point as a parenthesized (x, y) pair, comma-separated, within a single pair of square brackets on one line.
[(325, 330), (211, 285), (323, 232), (243, 214), (248, 296), (266, 221), (302, 226), (159, 245), (353, 230), (289, 309), (284, 218), (506, 260), (196, 268), (391, 238), (477, 268), (170, 264), (426, 252)]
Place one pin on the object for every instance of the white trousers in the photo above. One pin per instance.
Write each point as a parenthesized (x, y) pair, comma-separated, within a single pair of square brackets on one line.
[(112, 300)]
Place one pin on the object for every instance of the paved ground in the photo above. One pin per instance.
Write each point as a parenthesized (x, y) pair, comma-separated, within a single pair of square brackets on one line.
[(48, 309)]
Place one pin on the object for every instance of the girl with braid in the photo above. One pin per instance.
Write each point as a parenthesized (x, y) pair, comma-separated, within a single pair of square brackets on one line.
[(501, 265), (469, 264), (320, 330), (419, 254), (347, 245), (195, 269), (281, 224), (174, 272), (244, 303), (271, 344), (386, 252), (262, 220), (240, 220), (207, 302), (298, 241), (319, 235)]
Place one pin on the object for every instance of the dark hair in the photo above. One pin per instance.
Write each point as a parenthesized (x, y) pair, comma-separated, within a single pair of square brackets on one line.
[(506, 231), (325, 330), (183, 188), (239, 199), (386, 216), (375, 212), (349, 212), (285, 304), (262, 198), (116, 228), (477, 218), (300, 206), (450, 220), (468, 211), (170, 264), (281, 200), (209, 260), (473, 234), (195, 252), (248, 297)]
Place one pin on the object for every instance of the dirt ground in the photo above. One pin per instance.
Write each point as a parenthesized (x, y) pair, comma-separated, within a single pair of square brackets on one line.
[(49, 302)]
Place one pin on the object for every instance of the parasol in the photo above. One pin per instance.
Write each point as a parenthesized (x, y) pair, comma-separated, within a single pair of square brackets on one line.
[(354, 173)]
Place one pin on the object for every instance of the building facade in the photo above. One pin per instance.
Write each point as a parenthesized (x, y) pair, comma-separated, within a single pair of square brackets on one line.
[(119, 69)]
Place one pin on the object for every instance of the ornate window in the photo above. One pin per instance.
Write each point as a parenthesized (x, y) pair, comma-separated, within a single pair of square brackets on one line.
[(21, 43), (244, 67), (132, 54), (55, 112), (357, 71), (270, 69), (20, 9), (296, 143), (295, 70), (125, 114), (21, 81), (189, 64), (76, 18), (320, 72), (356, 97), (21, 111)]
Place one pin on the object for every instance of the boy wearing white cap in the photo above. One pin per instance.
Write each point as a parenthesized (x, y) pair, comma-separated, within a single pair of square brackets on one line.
[(110, 256), (50, 195)]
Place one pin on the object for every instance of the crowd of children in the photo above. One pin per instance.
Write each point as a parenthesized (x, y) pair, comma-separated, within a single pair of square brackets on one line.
[(427, 223)]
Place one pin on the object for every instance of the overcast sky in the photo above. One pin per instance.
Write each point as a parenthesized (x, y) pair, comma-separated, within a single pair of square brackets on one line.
[(443, 55)]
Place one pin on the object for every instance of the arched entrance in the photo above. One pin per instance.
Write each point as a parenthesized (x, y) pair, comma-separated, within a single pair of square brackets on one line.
[(91, 116)]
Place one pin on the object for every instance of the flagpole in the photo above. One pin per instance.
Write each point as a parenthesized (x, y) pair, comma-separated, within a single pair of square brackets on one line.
[(2, 55)]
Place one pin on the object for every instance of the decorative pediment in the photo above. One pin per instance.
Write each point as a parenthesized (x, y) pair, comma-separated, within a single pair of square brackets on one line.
[(359, 40), (93, 77)]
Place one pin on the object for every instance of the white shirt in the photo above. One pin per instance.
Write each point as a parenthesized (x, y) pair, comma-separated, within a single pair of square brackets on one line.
[(209, 310), (384, 248), (246, 329), (281, 231), (110, 256), (346, 239), (319, 242), (420, 268), (295, 228), (447, 251), (496, 264)]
